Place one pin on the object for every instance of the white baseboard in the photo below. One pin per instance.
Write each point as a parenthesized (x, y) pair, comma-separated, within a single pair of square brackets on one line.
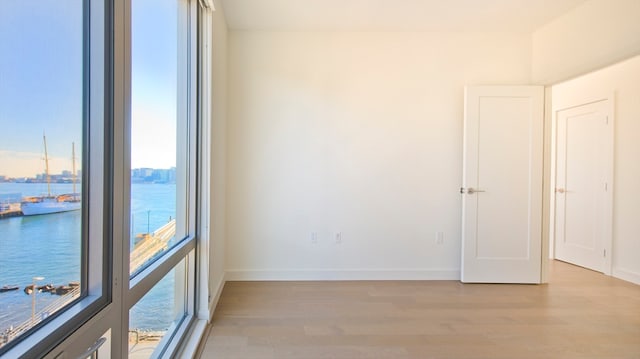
[(627, 275), (216, 295), (353, 274)]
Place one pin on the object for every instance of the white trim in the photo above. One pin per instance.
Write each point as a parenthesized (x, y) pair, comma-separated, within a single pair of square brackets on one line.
[(171, 342), (192, 342), (609, 174), (210, 4), (204, 235), (627, 275), (547, 173), (216, 298), (348, 274)]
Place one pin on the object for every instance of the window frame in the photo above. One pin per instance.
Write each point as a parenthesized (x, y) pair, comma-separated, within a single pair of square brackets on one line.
[(95, 279), (111, 292), (142, 281)]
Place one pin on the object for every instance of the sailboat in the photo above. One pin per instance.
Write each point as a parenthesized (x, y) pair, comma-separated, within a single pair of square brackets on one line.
[(35, 205)]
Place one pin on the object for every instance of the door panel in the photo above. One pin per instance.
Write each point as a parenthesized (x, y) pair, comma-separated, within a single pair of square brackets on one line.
[(502, 213), (581, 185)]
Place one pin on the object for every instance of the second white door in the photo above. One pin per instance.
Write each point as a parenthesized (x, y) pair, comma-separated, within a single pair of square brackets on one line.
[(583, 184)]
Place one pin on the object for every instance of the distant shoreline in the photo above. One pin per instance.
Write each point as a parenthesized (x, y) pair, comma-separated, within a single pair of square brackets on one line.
[(138, 175)]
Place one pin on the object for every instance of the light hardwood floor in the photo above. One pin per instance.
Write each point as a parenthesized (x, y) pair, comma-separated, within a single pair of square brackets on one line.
[(580, 314)]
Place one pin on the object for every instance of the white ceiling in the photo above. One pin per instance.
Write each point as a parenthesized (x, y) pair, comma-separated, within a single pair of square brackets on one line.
[(394, 15)]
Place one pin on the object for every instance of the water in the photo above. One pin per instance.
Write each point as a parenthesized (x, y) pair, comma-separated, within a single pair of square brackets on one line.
[(49, 246)]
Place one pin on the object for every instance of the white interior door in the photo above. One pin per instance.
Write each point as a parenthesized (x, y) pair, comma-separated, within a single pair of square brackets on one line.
[(502, 184), (582, 184)]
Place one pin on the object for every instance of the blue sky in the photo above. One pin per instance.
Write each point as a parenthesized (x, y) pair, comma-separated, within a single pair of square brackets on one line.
[(41, 83), (154, 64)]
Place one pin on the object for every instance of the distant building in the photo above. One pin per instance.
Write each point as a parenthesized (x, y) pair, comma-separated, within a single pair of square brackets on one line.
[(151, 175), (162, 176)]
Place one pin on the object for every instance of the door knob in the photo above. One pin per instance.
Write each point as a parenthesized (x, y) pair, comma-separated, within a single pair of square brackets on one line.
[(560, 190)]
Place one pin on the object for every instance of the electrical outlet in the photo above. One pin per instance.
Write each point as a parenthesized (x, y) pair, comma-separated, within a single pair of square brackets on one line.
[(338, 237), (439, 237), (314, 238)]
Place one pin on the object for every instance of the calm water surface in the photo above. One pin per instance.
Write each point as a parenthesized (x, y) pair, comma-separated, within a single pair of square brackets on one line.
[(49, 246)]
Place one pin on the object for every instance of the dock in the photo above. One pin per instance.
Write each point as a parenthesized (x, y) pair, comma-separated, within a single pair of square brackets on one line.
[(8, 334), (10, 205), (150, 245), (10, 213), (144, 251)]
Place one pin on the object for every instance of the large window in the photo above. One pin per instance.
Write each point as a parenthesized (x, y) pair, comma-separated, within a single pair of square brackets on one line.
[(99, 106), (160, 121), (162, 183), (46, 116)]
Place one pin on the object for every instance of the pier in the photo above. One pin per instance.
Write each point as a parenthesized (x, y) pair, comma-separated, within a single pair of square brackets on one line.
[(150, 245), (7, 335), (10, 205), (10, 213)]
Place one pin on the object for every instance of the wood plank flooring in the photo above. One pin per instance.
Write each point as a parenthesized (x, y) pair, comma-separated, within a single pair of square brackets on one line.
[(580, 314)]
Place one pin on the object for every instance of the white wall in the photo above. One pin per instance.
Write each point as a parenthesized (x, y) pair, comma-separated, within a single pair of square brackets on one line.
[(592, 36), (624, 80), (218, 154), (358, 133)]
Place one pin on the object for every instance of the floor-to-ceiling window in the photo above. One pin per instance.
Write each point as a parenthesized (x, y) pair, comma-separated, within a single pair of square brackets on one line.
[(53, 246), (162, 184), (99, 108)]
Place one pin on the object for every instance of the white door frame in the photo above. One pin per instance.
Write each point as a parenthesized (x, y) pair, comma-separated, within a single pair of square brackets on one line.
[(564, 103)]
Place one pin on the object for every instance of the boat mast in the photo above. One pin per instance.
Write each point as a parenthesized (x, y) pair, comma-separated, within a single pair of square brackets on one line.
[(73, 160), (46, 164)]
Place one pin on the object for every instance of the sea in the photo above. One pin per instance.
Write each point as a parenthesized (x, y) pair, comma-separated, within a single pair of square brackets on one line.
[(49, 246)]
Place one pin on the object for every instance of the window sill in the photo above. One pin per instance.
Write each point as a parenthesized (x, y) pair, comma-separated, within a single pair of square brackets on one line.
[(192, 341)]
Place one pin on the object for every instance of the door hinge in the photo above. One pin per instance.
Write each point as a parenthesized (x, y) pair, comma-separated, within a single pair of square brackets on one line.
[(607, 120), (606, 187), (604, 252)]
